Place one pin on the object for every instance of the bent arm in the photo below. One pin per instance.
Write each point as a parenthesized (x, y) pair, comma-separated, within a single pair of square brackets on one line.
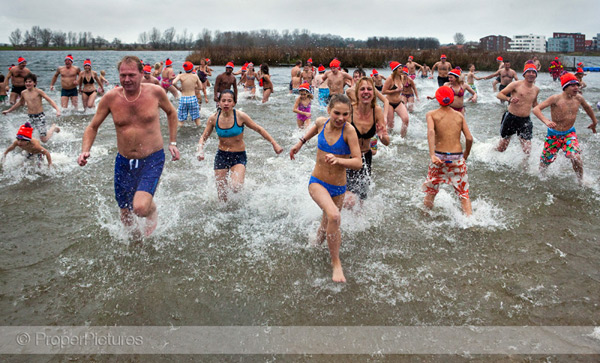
[(537, 111)]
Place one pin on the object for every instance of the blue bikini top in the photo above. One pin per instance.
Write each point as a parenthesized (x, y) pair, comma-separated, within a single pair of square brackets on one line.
[(234, 130), (339, 148)]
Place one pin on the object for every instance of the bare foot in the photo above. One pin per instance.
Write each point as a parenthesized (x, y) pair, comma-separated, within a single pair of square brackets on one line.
[(56, 128), (338, 274), (151, 223)]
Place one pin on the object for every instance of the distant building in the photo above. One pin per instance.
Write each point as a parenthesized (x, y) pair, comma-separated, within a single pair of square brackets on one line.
[(589, 45), (595, 41), (578, 38), (496, 43), (528, 43), (561, 45)]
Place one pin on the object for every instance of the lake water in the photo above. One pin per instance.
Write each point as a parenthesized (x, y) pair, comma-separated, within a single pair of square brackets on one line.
[(529, 255)]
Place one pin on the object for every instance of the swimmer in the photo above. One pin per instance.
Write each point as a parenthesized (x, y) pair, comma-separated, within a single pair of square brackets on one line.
[(443, 67), (337, 150), (188, 102), (139, 163), (296, 80), (448, 159), (561, 131), (294, 73), (409, 91), (500, 62), (471, 81), (157, 71), (351, 92), (3, 95), (225, 81), (412, 67), (392, 89), (32, 98), (302, 106), (167, 77), (28, 143), (336, 79), (68, 81), (506, 74), (459, 87), (16, 76), (579, 74), (203, 72), (249, 82), (86, 85), (307, 73), (321, 85), (230, 159), (370, 125), (425, 71), (148, 77), (521, 97), (265, 82), (377, 80)]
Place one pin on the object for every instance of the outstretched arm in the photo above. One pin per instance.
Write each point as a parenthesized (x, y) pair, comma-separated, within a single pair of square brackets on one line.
[(590, 112), (89, 135), (256, 127)]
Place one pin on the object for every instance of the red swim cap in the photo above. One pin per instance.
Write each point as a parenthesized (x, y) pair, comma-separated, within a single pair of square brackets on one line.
[(394, 65), (568, 79), (309, 60), (405, 70), (188, 66), (444, 95), (25, 132)]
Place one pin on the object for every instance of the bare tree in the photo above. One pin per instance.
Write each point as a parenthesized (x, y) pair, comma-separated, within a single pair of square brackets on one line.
[(459, 38), (15, 37), (143, 38), (45, 37), (154, 38), (59, 38), (71, 38), (168, 37)]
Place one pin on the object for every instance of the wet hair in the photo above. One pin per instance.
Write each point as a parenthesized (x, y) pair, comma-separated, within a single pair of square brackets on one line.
[(131, 59), (345, 69), (339, 98), (264, 68), (157, 65), (32, 77), (357, 86), (471, 65), (298, 62), (360, 71), (1, 77), (103, 72), (227, 91)]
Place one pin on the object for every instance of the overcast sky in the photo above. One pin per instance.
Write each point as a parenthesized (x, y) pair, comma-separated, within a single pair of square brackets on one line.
[(125, 19)]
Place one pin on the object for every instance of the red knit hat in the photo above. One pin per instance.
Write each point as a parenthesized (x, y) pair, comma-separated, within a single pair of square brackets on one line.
[(25, 132), (244, 68), (444, 95), (405, 70), (335, 63), (529, 67), (579, 70), (374, 73), (394, 65), (309, 60), (87, 62), (568, 79), (69, 57), (229, 64), (443, 56), (304, 86), (410, 57), (168, 62), (455, 72), (21, 60), (188, 66), (499, 59), (580, 64), (321, 68), (147, 69)]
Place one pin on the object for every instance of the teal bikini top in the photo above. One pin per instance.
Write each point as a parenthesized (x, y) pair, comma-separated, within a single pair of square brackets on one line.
[(234, 130)]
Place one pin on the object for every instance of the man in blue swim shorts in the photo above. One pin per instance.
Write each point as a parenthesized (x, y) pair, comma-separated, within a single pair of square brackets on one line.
[(140, 158)]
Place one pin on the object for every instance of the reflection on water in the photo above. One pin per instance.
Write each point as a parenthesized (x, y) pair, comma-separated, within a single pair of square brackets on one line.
[(528, 256)]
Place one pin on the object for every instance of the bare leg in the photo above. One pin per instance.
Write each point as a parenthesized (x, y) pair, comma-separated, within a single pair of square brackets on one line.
[(144, 206), (503, 144), (578, 167), (331, 209), (50, 132), (13, 98), (526, 146), (403, 113), (349, 200), (91, 99), (266, 94), (222, 185), (64, 102), (84, 100), (494, 84), (174, 92), (390, 119), (466, 206), (237, 175), (428, 202), (198, 122), (75, 101)]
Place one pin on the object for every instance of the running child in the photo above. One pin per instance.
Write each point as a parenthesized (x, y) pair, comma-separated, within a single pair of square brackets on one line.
[(26, 142), (302, 105)]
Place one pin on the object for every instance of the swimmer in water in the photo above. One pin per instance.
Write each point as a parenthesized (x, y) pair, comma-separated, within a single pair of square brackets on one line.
[(28, 143), (302, 106)]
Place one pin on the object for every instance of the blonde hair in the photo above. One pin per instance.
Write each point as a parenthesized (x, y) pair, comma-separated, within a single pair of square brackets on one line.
[(370, 81)]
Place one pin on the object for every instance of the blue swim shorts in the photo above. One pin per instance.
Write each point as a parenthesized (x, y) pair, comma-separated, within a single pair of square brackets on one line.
[(132, 175)]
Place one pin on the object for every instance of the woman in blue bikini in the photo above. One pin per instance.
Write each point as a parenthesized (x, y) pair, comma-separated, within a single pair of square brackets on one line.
[(230, 159), (337, 150)]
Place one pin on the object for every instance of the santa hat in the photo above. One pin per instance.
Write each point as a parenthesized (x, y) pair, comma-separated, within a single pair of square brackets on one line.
[(394, 65), (579, 70), (21, 60), (443, 56), (229, 65), (499, 59), (335, 63), (87, 62), (304, 86), (455, 72), (374, 73), (444, 95), (188, 66), (405, 70), (69, 57), (168, 62), (147, 69), (529, 67), (244, 68), (568, 79), (25, 132), (321, 68), (410, 57)]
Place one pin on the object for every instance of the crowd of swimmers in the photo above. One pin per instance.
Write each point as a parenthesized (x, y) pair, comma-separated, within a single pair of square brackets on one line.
[(346, 138)]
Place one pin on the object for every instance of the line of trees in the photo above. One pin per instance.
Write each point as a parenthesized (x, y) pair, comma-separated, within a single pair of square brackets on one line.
[(170, 39)]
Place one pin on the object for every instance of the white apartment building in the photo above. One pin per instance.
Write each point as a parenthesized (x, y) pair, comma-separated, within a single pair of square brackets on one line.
[(528, 43)]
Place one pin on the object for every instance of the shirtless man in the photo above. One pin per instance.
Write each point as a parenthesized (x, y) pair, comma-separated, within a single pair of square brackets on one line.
[(321, 85), (506, 74), (68, 81), (26, 142), (188, 102), (500, 66), (307, 74), (294, 73), (296, 81), (225, 81), (521, 97), (32, 97), (336, 79), (167, 77), (447, 165), (17, 75), (139, 163), (561, 133), (148, 77), (443, 68), (412, 67)]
